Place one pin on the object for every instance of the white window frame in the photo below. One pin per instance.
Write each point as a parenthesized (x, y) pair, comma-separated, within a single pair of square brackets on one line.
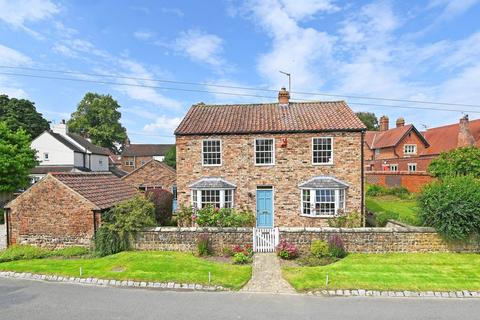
[(390, 167), (129, 163), (46, 156), (197, 194), (312, 201), (412, 152), (221, 152), (331, 158), (410, 165), (255, 152)]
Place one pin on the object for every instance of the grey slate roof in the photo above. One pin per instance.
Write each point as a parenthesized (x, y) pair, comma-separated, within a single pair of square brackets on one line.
[(67, 143), (323, 182), (212, 183), (88, 145)]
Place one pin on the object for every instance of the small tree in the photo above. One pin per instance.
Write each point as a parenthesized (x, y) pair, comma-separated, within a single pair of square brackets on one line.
[(16, 159), (163, 201), (121, 223), (452, 207), (458, 162), (171, 157)]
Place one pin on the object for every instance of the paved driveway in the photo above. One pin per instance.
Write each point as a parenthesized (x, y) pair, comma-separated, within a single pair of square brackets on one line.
[(3, 236), (23, 299)]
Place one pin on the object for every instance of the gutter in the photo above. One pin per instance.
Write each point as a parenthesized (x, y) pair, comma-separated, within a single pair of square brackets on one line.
[(268, 132), (7, 225)]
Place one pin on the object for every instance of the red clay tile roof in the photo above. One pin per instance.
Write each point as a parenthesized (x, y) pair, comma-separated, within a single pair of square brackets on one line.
[(445, 138), (102, 189), (146, 150), (269, 117), (389, 138)]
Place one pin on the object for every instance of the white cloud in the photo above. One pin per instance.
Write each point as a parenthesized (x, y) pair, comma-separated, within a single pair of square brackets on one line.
[(294, 49), (300, 9), (143, 35), (201, 47), (164, 124), (11, 57), (18, 13), (452, 8)]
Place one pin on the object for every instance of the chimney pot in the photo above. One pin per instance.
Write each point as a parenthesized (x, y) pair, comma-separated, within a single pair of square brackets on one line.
[(283, 96), (400, 122), (384, 123)]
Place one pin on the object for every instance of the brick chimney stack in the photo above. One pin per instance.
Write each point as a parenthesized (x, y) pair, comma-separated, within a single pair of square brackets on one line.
[(384, 123), (283, 96), (400, 122), (465, 137)]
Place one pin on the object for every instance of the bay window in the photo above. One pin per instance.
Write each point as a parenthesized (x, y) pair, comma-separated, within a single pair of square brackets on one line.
[(220, 198), (323, 196)]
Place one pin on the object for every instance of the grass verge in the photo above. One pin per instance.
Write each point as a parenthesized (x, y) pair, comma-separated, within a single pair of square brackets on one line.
[(21, 252), (392, 271), (141, 266), (391, 207)]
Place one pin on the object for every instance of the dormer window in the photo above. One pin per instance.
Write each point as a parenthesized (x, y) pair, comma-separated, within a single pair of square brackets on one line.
[(212, 152), (410, 149)]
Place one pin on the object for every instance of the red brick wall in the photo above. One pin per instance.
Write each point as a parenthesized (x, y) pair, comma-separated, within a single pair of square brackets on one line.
[(293, 165), (153, 174), (422, 163), (411, 138), (137, 162), (412, 181), (50, 214)]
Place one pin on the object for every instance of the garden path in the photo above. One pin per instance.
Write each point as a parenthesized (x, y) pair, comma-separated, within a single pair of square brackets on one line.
[(267, 275)]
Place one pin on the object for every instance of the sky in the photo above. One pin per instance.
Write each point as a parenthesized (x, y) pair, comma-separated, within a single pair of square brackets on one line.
[(407, 50)]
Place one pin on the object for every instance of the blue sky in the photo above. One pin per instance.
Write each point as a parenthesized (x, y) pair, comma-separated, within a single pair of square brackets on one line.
[(416, 50)]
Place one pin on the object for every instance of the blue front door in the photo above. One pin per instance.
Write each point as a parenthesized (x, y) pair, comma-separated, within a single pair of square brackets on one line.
[(265, 208)]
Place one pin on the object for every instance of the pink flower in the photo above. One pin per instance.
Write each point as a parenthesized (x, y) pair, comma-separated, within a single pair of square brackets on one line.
[(194, 217)]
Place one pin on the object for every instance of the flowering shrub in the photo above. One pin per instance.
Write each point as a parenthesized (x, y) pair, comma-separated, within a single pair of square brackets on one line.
[(319, 249), (242, 254), (224, 217), (336, 246), (185, 216), (287, 250)]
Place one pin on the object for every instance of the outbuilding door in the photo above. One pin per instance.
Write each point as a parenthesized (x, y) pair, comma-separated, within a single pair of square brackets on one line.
[(265, 208)]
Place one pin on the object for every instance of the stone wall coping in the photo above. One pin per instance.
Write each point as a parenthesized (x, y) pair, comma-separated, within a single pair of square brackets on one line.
[(403, 229)]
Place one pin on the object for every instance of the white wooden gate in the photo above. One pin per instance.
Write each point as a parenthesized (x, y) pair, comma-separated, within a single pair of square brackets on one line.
[(265, 239)]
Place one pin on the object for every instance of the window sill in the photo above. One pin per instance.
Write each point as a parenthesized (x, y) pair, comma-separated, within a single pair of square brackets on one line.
[(264, 164), (211, 165), (323, 217), (322, 164)]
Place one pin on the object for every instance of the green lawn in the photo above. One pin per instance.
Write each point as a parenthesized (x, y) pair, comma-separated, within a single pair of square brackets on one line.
[(391, 207), (392, 271), (146, 266)]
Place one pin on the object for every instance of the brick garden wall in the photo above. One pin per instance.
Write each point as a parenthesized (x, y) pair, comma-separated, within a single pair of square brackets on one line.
[(361, 240), (412, 181)]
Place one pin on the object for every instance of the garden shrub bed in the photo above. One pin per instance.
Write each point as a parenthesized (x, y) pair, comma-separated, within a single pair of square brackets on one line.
[(25, 252)]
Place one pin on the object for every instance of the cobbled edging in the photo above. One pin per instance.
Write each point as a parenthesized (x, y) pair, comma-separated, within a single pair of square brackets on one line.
[(112, 283), (404, 294)]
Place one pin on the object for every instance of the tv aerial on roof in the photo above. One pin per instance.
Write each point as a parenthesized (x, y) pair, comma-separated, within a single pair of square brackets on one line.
[(289, 79)]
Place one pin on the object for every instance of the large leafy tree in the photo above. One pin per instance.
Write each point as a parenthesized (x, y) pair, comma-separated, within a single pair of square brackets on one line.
[(458, 162), (22, 114), (171, 157), (369, 120), (97, 117), (16, 158)]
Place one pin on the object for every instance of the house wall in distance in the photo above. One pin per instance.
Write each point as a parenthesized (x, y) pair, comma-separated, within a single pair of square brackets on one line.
[(49, 214), (153, 174), (293, 165), (58, 153), (99, 162)]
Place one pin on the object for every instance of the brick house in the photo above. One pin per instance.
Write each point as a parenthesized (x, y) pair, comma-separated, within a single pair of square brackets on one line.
[(400, 156), (294, 164), (136, 155), (63, 209)]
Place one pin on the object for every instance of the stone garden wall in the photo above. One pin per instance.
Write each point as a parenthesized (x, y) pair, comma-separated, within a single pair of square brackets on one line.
[(366, 240)]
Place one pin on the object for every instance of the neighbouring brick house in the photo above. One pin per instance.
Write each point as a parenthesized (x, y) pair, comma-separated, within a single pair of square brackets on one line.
[(136, 155), (400, 156), (64, 209), (294, 164)]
